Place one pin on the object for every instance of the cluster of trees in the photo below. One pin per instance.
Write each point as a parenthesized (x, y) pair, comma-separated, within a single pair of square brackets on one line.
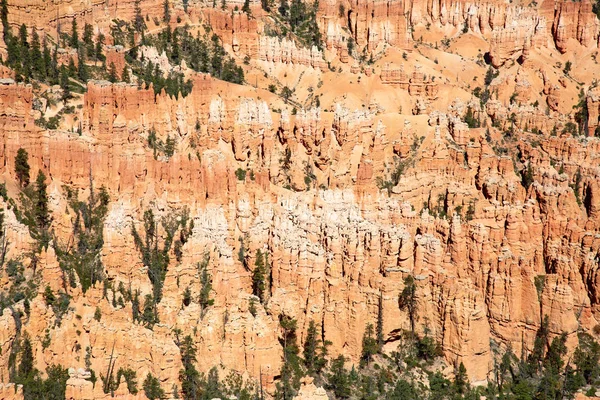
[(261, 277), (33, 58), (34, 386), (470, 120), (581, 114), (201, 53), (174, 83), (299, 18), (484, 95), (154, 249), (81, 254), (34, 211), (198, 386)]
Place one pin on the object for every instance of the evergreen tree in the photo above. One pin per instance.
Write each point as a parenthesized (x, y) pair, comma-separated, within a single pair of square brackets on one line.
[(380, 322), (135, 306), (152, 388), (55, 386), (82, 71), (139, 23), (290, 371), (189, 376), (149, 315), (246, 7), (64, 83), (42, 212), (315, 351), (155, 257), (4, 18), (26, 365), (99, 43), (125, 74), (22, 167), (72, 69), (88, 39), (404, 390), (258, 277), (369, 346), (338, 379), (534, 360), (37, 60), (205, 284), (112, 73), (408, 300), (169, 146), (266, 5), (527, 177), (87, 226), (51, 61), (283, 8), (74, 42), (166, 11), (461, 380), (23, 37)]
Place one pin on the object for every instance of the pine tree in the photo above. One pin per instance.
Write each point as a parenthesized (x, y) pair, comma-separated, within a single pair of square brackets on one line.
[(169, 146), (189, 376), (527, 178), (72, 69), (283, 8), (23, 37), (37, 60), (42, 212), (139, 23), (461, 380), (4, 18), (64, 83), (149, 315), (369, 346), (99, 43), (51, 61), (88, 39), (380, 323), (246, 7), (205, 284), (408, 300), (82, 71), (152, 388), (135, 306), (125, 74), (258, 277), (338, 378), (290, 371), (166, 11), (74, 42), (314, 350), (22, 167), (26, 365), (112, 73)]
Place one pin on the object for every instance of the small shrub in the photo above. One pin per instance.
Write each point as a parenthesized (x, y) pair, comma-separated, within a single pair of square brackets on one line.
[(240, 174), (98, 314)]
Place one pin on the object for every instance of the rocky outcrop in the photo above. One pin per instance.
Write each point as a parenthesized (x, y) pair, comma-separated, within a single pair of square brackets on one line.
[(278, 50), (593, 108), (575, 21), (417, 85)]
